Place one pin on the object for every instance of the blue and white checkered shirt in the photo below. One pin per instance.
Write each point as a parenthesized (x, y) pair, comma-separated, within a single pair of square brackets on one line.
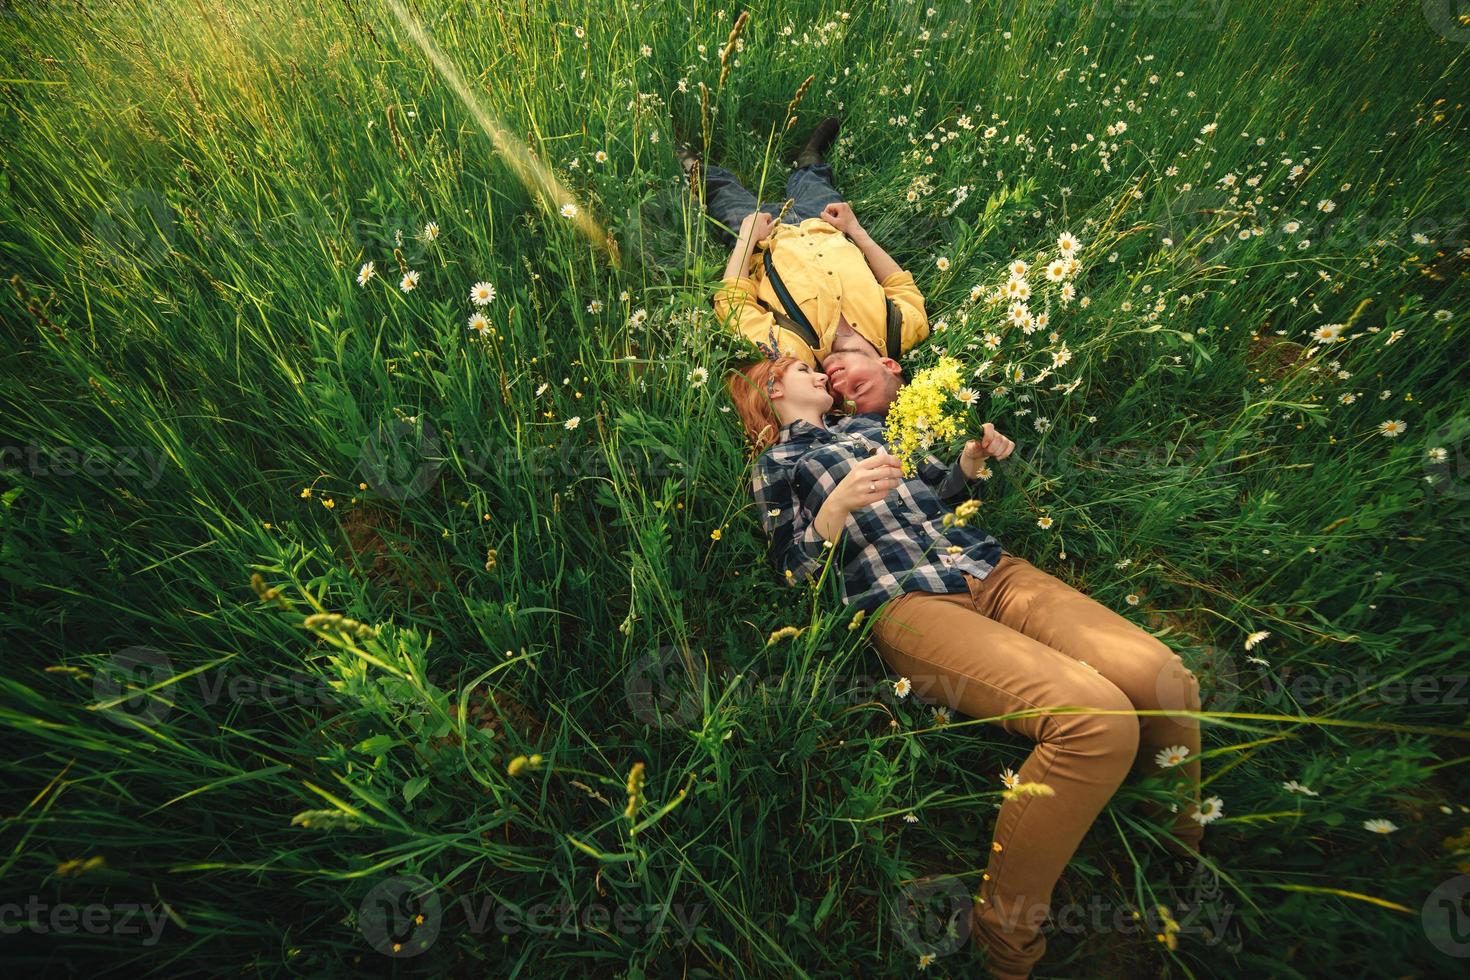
[(896, 545)]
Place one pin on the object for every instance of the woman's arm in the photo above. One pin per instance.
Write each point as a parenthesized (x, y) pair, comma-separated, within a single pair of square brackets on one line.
[(798, 548)]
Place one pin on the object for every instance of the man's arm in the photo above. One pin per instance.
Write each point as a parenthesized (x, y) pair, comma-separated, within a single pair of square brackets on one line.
[(898, 285), (739, 264), (879, 261)]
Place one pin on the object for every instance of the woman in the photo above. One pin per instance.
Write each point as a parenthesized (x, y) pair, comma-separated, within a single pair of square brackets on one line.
[(975, 627)]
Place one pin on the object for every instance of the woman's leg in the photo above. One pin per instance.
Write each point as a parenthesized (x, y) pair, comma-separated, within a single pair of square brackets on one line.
[(1048, 610), (955, 654)]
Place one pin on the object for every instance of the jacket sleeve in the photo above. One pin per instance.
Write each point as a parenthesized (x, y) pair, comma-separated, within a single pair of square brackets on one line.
[(794, 549), (900, 288), (735, 304), (950, 483)]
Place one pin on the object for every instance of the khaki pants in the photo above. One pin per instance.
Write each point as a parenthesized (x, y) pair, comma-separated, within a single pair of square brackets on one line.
[(1021, 639)]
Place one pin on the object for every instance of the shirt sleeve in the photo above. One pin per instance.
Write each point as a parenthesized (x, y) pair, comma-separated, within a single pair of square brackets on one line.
[(735, 303), (794, 549), (901, 288), (950, 483)]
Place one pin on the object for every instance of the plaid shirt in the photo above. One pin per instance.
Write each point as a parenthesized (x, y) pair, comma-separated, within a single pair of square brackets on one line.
[(896, 545)]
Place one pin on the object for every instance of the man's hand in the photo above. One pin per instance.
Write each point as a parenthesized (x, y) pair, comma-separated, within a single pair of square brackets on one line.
[(991, 445), (756, 227), (840, 216)]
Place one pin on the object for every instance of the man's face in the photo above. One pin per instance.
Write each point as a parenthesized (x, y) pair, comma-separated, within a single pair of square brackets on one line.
[(856, 373)]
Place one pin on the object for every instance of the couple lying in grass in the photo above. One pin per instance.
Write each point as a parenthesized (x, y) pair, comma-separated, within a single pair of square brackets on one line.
[(965, 622)]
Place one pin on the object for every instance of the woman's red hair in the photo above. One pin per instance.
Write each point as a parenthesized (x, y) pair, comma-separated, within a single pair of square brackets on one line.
[(750, 390)]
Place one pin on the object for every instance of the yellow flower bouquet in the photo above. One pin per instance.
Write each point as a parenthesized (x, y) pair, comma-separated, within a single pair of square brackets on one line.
[(931, 411)]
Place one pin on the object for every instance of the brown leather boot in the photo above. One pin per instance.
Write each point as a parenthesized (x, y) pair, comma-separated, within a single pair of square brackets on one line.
[(820, 142)]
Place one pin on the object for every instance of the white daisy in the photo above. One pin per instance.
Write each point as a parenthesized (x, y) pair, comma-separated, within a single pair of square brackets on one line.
[(698, 377), (600, 156), (1393, 428), (482, 293), (942, 262), (910, 818), (409, 281), (1380, 826), (1171, 756), (967, 395), (1056, 271), (365, 273), (1256, 637), (1209, 810), (480, 323), (574, 421), (1010, 779), (902, 686), (1292, 786), (1044, 522), (1327, 333), (569, 210), (431, 231), (1067, 244)]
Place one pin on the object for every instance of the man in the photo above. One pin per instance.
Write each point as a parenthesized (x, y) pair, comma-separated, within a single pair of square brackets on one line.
[(818, 275)]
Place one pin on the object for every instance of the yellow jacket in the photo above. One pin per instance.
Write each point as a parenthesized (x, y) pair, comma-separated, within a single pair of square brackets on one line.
[(827, 276)]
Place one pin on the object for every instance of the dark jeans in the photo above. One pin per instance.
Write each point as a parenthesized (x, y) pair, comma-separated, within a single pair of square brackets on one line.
[(728, 202)]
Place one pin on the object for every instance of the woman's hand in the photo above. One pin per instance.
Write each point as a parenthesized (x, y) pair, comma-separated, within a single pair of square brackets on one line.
[(869, 481), (991, 445), (840, 216), (756, 226)]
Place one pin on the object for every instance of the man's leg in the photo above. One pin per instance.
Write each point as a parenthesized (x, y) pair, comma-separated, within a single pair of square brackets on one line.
[(1153, 677), (954, 654), (728, 202), (811, 188)]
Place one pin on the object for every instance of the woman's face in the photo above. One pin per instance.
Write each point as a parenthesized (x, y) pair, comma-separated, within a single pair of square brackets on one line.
[(800, 391)]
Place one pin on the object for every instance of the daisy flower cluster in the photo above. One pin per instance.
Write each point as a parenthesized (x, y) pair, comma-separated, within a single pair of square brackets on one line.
[(409, 278), (482, 294)]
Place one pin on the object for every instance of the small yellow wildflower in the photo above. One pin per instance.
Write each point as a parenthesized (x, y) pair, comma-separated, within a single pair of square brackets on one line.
[(635, 790), (784, 633)]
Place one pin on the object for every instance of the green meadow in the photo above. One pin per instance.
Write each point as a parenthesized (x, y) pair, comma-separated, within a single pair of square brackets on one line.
[(354, 623)]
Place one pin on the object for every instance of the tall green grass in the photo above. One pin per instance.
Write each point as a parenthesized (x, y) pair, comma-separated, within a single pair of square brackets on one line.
[(190, 190)]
